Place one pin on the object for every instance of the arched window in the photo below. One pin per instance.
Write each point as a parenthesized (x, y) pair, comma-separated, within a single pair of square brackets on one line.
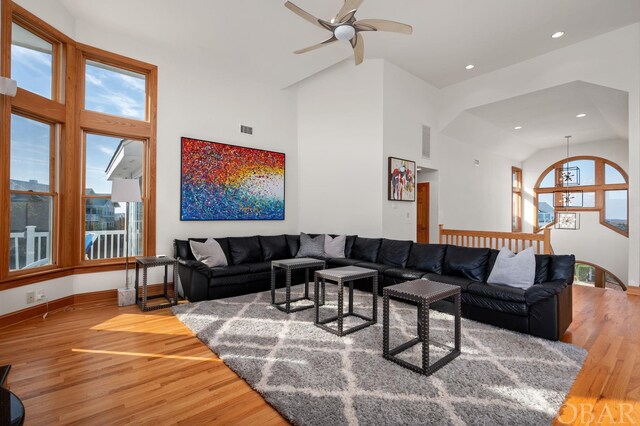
[(590, 274), (598, 185)]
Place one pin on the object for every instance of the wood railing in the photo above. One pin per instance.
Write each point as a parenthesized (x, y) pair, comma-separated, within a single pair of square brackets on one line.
[(515, 241)]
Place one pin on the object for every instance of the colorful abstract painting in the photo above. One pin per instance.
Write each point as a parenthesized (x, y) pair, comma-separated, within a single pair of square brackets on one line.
[(228, 182), (402, 180)]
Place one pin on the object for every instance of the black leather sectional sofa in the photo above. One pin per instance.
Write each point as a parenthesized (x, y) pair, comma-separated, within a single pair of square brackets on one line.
[(544, 310)]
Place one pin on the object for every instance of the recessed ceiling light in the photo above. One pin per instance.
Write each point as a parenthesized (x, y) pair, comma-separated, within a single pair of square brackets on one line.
[(557, 34), (470, 67), (581, 115), (517, 128)]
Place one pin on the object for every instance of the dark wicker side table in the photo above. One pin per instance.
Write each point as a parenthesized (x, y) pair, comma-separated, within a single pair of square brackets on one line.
[(422, 292), (345, 274), (149, 262), (289, 265)]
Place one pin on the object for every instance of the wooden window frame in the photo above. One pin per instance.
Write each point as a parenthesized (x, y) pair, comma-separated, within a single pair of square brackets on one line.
[(516, 191), (599, 189), (65, 110), (92, 122)]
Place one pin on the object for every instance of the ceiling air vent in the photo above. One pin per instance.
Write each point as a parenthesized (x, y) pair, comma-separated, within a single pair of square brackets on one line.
[(426, 142), (246, 129)]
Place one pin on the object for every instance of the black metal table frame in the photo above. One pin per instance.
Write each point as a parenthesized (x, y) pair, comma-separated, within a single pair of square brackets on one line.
[(423, 334), (320, 278), (289, 268), (142, 301)]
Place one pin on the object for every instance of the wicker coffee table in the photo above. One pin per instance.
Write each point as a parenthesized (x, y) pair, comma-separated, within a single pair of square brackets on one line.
[(290, 265), (345, 274), (422, 292)]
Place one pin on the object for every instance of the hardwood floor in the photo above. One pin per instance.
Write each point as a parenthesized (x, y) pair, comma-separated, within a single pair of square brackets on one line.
[(100, 364)]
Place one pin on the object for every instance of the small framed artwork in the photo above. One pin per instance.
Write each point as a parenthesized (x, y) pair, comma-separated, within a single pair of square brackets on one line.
[(402, 180), (566, 220)]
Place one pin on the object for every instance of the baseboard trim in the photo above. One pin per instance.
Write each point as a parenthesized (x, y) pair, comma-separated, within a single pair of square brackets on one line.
[(103, 296)]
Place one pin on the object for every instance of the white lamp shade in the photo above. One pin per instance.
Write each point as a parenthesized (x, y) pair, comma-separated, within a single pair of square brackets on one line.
[(125, 190)]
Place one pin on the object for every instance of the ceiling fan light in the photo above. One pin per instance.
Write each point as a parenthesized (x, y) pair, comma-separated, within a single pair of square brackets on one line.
[(344, 32)]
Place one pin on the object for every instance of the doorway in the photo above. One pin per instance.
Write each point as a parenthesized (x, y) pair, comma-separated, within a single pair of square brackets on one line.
[(423, 213)]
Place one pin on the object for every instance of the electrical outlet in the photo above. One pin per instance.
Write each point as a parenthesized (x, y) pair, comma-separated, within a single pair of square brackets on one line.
[(31, 296), (40, 294)]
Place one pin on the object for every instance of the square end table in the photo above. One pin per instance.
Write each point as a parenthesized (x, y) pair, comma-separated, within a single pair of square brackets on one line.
[(423, 293), (149, 262), (345, 274), (289, 265)]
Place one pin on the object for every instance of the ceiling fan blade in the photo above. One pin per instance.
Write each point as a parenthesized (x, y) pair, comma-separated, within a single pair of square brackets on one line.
[(383, 25), (349, 5), (358, 48), (303, 14), (316, 46)]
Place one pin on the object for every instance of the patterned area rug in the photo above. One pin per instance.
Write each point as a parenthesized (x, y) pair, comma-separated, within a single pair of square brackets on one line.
[(313, 377)]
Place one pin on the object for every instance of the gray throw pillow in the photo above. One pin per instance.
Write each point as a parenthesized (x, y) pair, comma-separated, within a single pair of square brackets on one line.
[(514, 270), (311, 247), (334, 247), (210, 253)]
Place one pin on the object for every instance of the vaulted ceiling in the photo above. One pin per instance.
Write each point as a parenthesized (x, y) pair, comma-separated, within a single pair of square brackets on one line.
[(522, 125), (255, 38)]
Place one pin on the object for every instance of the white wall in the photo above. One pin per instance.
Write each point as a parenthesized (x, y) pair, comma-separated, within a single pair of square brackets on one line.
[(340, 116), (409, 103), (195, 99), (593, 242), (463, 187), (611, 60)]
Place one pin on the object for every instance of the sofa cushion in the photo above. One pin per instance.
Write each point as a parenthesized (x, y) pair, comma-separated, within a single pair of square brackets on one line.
[(293, 241), (498, 291), (341, 261), (259, 267), (463, 283), (404, 274), (561, 268), (514, 308), (514, 270), (394, 253), (366, 249), (311, 246), (542, 268), (374, 266), (466, 262), (334, 246), (274, 247), (210, 253), (228, 271), (427, 257), (182, 250), (348, 246), (224, 244), (245, 250)]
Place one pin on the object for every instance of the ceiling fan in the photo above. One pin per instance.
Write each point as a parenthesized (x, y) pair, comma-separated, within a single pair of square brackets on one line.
[(345, 27)]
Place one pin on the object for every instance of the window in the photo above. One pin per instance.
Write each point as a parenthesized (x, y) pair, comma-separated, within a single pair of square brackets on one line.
[(516, 199), (115, 91), (57, 158), (32, 59), (31, 187), (108, 157), (602, 187), (615, 209), (594, 275)]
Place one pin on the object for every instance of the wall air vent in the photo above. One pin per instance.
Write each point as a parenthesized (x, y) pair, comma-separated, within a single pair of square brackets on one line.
[(246, 129), (426, 142)]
